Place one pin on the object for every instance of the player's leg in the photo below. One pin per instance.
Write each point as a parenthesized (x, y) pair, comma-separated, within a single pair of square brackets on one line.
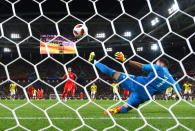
[(107, 70), (166, 95), (170, 95), (185, 94), (14, 95), (133, 101), (154, 97), (67, 93), (10, 95), (93, 95), (190, 95), (72, 92), (117, 98), (65, 90)]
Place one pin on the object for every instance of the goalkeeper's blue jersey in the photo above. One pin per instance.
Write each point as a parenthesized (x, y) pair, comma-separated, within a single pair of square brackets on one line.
[(157, 85)]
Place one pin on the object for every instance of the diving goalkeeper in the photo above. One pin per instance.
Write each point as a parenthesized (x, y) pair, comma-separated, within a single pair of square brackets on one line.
[(138, 94)]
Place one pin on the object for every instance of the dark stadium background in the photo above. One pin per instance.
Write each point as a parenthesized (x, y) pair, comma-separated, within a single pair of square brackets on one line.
[(23, 73)]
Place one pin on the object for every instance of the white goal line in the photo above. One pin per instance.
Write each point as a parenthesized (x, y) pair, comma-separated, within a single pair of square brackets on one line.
[(96, 118)]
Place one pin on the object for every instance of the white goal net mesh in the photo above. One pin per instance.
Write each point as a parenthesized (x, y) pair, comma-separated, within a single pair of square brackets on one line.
[(99, 38)]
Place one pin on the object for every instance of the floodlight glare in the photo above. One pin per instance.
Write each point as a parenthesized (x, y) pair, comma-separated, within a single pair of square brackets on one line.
[(154, 47), (127, 34), (15, 36), (100, 35)]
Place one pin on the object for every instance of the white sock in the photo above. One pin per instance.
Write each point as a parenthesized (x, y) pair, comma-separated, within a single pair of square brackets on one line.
[(184, 97), (154, 97), (190, 98), (166, 97)]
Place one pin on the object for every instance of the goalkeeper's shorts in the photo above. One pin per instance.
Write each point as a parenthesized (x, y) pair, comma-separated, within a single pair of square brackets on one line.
[(133, 87)]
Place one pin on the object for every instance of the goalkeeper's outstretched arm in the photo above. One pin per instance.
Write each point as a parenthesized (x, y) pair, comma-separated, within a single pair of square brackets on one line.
[(120, 56), (136, 64)]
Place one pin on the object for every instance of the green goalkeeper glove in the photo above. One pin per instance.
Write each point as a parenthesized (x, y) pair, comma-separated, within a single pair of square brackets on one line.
[(120, 56)]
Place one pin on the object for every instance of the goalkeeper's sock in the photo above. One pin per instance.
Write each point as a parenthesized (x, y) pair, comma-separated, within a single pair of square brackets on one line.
[(105, 69), (123, 110)]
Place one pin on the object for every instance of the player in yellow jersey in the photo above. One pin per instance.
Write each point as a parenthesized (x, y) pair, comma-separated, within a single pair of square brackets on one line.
[(93, 90), (114, 91), (168, 93), (34, 94), (12, 91), (188, 92)]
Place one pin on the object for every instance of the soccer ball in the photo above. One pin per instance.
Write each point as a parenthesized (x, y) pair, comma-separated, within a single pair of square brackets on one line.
[(80, 30)]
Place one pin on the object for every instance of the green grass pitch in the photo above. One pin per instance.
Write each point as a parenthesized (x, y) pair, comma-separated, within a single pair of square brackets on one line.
[(66, 119)]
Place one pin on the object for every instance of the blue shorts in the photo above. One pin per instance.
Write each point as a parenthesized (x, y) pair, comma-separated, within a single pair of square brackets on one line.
[(137, 93)]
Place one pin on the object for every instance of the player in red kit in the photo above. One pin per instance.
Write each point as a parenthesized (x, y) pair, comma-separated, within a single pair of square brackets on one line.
[(81, 95), (38, 94), (73, 90), (30, 91), (126, 94), (41, 93), (69, 84)]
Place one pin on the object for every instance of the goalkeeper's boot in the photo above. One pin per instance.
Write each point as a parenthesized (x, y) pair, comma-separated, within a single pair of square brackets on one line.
[(113, 111), (91, 57)]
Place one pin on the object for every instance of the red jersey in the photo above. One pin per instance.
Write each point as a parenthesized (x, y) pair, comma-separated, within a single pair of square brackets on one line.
[(30, 88), (41, 91), (38, 92), (72, 76)]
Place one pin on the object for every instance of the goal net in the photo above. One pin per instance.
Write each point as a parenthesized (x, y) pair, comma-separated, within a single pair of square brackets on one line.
[(37, 48)]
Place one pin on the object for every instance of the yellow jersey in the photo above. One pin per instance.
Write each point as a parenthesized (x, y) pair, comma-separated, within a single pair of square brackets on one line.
[(187, 86), (35, 92), (93, 88), (169, 89), (114, 84), (12, 87)]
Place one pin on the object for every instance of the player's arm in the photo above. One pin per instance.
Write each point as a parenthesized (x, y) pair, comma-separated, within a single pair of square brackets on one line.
[(63, 77), (75, 77), (144, 67), (120, 56), (136, 64)]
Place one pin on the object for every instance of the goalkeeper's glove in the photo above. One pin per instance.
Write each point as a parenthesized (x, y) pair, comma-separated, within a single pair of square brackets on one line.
[(120, 56)]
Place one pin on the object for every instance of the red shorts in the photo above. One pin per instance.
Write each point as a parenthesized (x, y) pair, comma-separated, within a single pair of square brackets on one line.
[(69, 86), (30, 93), (126, 92)]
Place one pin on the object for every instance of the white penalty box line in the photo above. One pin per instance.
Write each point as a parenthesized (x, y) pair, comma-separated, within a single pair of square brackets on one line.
[(97, 118)]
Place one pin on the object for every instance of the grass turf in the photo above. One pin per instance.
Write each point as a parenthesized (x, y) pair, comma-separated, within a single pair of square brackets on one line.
[(67, 119)]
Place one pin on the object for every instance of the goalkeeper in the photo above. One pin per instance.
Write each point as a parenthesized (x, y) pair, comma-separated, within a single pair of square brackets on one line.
[(138, 94)]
